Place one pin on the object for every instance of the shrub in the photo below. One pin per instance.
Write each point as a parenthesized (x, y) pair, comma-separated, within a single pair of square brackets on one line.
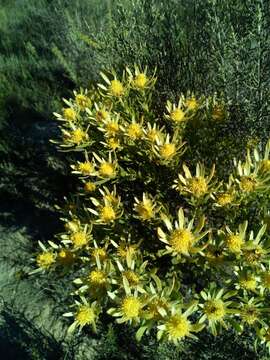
[(158, 243)]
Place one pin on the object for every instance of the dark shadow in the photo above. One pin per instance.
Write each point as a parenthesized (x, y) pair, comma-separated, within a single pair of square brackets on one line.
[(21, 340)]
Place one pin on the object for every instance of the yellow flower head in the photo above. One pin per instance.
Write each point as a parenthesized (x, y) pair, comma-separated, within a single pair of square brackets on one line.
[(89, 186), (78, 135), (134, 131), (79, 239), (266, 279), (234, 243), (100, 253), (45, 260), (192, 103), (97, 278), (248, 184), (248, 282), (66, 257), (181, 240), (131, 307), (107, 169), (177, 115), (265, 166), (253, 256), (167, 151), (85, 315), (132, 277), (102, 115), (113, 143), (86, 168), (123, 251), (116, 88), (112, 127), (69, 114), (225, 199), (178, 327), (197, 186), (82, 101), (107, 214), (250, 314), (145, 209), (214, 309), (140, 80)]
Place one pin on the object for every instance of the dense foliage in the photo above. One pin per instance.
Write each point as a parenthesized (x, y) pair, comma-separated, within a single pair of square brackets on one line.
[(136, 194)]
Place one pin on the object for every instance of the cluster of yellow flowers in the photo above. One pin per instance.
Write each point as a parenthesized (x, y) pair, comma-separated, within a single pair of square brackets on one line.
[(140, 199)]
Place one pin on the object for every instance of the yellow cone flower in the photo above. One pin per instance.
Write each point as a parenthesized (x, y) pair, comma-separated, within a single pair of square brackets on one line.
[(214, 309), (45, 260), (116, 88), (178, 327), (69, 114), (131, 307), (79, 239), (85, 315), (140, 80)]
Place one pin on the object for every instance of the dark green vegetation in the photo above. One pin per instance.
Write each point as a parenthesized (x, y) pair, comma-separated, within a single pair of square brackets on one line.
[(47, 49)]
